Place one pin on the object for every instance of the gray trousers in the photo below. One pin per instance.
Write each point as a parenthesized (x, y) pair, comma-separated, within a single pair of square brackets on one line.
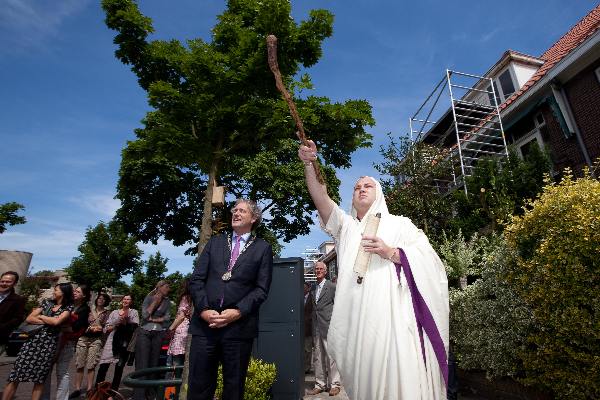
[(326, 373), (147, 354)]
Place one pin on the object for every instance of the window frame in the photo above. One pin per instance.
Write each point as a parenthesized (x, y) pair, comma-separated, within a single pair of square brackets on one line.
[(528, 137)]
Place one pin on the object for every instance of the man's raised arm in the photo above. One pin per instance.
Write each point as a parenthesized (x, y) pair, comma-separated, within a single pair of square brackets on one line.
[(318, 191)]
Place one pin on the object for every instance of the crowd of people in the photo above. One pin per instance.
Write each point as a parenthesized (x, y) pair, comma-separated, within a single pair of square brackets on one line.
[(66, 327)]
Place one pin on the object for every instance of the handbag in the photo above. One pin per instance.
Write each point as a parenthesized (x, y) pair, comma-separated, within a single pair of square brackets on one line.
[(30, 329), (103, 391)]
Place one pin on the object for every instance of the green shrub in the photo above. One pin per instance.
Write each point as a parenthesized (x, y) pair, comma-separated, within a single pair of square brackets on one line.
[(557, 274), (260, 378), (499, 188), (488, 321), (461, 257)]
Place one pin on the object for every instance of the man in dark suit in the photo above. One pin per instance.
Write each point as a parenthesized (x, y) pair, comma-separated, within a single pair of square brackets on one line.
[(12, 306), (323, 295), (231, 279)]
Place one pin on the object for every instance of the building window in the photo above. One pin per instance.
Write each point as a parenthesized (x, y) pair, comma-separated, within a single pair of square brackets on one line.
[(491, 95), (506, 84), (524, 144), (525, 148), (539, 120)]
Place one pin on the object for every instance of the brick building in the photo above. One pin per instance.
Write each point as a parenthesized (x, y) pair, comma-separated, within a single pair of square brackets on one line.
[(559, 106), (552, 101)]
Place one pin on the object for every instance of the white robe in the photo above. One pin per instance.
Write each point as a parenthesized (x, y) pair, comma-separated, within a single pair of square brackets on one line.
[(373, 335)]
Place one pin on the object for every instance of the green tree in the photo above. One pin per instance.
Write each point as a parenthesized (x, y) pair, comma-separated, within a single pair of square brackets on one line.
[(145, 279), (557, 274), (106, 254), (498, 189), (418, 184), (460, 257), (153, 270), (176, 281), (33, 284), (217, 118), (9, 216)]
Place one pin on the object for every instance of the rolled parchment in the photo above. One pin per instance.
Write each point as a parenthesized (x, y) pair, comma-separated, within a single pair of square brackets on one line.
[(363, 258)]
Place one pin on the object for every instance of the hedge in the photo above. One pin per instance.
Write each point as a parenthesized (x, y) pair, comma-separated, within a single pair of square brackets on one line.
[(557, 274)]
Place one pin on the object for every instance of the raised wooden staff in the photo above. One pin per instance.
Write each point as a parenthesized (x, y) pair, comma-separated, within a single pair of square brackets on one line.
[(272, 58)]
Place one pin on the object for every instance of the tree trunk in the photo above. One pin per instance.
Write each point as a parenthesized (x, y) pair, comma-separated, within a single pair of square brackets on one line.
[(206, 227), (205, 234)]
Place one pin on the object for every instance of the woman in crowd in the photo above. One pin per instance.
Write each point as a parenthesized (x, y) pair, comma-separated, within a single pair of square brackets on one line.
[(34, 361), (120, 327), (78, 324), (179, 327), (89, 345), (156, 314)]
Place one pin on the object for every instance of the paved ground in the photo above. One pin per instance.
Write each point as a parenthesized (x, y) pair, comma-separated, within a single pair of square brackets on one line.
[(24, 390), (310, 383)]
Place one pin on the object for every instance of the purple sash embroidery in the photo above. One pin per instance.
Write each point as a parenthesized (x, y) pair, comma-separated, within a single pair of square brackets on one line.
[(424, 318)]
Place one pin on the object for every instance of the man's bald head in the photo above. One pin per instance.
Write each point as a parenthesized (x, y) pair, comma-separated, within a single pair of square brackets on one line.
[(320, 270)]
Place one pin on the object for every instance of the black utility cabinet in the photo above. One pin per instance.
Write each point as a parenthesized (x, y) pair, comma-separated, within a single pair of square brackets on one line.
[(281, 328)]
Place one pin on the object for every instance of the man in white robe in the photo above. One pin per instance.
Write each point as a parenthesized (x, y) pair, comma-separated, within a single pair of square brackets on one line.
[(389, 334)]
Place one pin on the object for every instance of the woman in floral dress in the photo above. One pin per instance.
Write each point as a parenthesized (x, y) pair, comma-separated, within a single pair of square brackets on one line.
[(35, 358), (179, 328)]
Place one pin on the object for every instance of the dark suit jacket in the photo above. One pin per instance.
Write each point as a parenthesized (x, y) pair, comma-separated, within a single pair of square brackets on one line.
[(12, 313), (246, 290), (323, 307)]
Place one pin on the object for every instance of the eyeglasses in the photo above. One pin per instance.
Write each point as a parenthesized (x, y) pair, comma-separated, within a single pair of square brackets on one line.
[(239, 210)]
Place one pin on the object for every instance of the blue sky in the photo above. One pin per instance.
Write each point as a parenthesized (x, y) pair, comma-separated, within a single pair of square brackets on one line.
[(68, 106)]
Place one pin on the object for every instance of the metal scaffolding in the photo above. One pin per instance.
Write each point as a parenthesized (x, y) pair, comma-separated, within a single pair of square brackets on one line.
[(470, 129), (311, 256)]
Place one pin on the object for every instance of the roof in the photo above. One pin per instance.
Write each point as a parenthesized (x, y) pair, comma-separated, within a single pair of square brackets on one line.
[(559, 50), (512, 55)]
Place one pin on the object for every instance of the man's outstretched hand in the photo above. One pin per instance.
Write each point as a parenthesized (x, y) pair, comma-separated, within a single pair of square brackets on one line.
[(308, 153)]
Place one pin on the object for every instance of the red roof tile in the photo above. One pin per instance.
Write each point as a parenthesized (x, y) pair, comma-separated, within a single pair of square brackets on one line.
[(570, 41)]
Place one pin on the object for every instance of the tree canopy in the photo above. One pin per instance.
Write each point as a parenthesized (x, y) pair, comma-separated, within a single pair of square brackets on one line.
[(9, 216), (497, 189), (151, 271), (217, 118), (413, 189), (106, 254)]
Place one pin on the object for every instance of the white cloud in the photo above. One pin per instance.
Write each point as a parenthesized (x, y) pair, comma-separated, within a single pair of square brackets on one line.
[(26, 24), (47, 248), (104, 204)]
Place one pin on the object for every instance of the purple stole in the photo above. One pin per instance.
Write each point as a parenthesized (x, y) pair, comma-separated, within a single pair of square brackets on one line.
[(425, 321)]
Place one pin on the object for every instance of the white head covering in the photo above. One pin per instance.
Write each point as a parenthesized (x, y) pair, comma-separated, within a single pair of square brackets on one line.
[(378, 206)]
